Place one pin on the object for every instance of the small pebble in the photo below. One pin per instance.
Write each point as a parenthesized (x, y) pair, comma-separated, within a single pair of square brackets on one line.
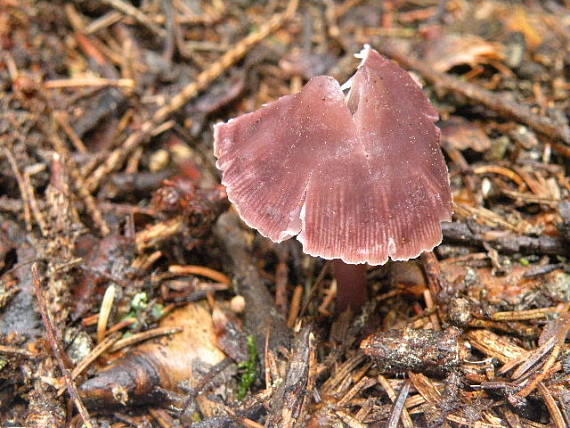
[(237, 304), (159, 160)]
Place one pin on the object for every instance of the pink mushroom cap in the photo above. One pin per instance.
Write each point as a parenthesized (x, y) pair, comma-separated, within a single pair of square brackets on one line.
[(359, 178)]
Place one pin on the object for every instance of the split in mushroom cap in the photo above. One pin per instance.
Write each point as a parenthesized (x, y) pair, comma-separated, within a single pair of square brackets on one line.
[(360, 179)]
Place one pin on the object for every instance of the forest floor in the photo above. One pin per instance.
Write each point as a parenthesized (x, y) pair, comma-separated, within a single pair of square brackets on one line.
[(118, 247)]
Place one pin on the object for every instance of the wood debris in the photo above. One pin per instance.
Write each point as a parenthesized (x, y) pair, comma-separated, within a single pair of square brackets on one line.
[(130, 293)]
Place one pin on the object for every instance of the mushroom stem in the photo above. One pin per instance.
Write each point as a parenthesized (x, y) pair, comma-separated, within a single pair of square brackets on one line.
[(351, 288)]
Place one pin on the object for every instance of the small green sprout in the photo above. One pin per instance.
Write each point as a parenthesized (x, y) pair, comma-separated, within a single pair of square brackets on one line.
[(157, 311), (140, 301), (249, 368)]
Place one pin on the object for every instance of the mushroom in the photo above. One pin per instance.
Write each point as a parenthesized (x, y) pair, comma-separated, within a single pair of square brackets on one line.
[(358, 179)]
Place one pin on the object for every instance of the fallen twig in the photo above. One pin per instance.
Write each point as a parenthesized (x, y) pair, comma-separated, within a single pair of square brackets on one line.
[(290, 400), (399, 405), (133, 12), (508, 243), (80, 183), (23, 188), (145, 335), (57, 350)]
